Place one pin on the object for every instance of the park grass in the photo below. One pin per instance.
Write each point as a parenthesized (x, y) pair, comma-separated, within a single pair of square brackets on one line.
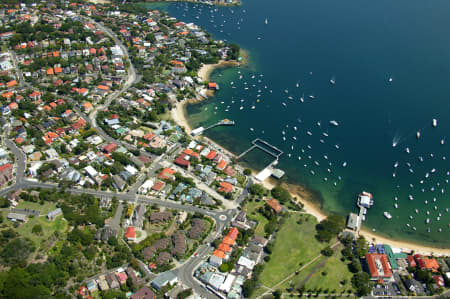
[(250, 209), (48, 228), (336, 271), (295, 245)]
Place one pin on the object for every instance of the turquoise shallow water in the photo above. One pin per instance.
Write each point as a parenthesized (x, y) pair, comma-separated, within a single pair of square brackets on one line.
[(361, 44)]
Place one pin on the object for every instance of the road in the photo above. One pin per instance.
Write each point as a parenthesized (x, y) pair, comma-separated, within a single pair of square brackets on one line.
[(222, 218), (19, 71)]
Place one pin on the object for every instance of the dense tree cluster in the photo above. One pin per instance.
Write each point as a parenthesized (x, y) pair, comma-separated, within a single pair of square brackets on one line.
[(329, 228)]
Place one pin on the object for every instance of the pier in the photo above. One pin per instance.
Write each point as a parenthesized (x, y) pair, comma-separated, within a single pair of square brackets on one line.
[(268, 149), (364, 202), (200, 130), (276, 153)]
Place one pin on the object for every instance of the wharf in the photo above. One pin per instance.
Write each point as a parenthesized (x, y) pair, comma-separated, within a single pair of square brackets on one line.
[(201, 130)]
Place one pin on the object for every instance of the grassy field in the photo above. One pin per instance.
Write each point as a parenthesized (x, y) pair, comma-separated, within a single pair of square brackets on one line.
[(48, 227), (251, 210), (295, 245), (336, 271)]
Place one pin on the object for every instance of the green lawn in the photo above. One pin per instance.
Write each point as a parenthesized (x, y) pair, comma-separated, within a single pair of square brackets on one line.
[(336, 271), (48, 228), (295, 281), (251, 210), (295, 244)]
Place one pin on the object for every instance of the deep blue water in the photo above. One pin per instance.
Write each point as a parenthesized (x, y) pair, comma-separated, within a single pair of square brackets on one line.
[(361, 44)]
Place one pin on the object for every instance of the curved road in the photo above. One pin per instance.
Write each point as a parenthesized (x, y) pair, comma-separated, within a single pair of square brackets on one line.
[(185, 272)]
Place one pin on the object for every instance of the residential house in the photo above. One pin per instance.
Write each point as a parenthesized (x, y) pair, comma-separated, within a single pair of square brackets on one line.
[(143, 293), (275, 205)]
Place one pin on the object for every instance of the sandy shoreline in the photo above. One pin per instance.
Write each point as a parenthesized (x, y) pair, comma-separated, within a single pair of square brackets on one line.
[(179, 116)]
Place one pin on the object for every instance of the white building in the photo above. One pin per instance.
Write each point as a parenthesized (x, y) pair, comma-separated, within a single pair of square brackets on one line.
[(243, 261), (226, 285), (146, 186), (90, 171)]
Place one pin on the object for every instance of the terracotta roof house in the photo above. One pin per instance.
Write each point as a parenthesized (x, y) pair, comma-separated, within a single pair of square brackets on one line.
[(130, 234), (275, 205), (158, 186), (378, 266), (5, 173), (221, 165), (110, 148), (181, 161), (211, 155), (228, 241), (219, 254), (166, 174), (411, 261), (230, 171), (225, 187), (233, 233), (224, 247)]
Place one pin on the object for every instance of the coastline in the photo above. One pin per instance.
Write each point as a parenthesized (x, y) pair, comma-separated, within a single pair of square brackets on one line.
[(179, 116), (212, 3)]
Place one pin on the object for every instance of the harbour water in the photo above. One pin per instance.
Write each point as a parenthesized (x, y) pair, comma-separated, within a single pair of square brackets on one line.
[(360, 45)]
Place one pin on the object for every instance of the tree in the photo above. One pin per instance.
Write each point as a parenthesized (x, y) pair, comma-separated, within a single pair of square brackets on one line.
[(361, 247), (224, 267), (360, 282), (257, 189), (247, 171), (329, 228), (327, 251), (281, 194), (355, 266), (37, 229), (277, 294), (17, 251), (248, 287)]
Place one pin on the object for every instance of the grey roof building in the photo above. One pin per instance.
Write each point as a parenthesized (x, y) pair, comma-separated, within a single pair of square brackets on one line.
[(53, 214), (163, 279)]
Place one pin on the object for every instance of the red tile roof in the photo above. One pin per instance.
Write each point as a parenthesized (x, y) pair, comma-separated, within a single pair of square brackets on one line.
[(130, 233), (211, 155), (181, 161), (158, 185), (225, 187), (275, 205), (233, 233), (219, 254), (378, 265), (222, 164)]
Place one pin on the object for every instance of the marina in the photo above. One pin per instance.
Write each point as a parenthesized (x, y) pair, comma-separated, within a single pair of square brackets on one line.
[(359, 123)]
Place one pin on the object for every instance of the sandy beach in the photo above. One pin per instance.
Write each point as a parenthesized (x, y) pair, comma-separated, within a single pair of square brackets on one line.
[(179, 116)]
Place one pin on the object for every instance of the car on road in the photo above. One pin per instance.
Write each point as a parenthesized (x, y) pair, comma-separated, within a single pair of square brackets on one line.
[(195, 254)]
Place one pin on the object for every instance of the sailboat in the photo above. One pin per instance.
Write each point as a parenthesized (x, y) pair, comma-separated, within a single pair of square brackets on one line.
[(266, 21)]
